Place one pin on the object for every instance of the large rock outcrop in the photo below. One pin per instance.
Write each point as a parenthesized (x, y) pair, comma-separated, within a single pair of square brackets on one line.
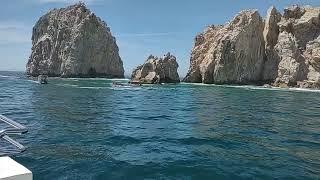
[(282, 50), (73, 42), (157, 70), (233, 53), (299, 30)]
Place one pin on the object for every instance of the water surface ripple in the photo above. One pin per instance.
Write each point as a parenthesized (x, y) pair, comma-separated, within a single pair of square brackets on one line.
[(86, 129)]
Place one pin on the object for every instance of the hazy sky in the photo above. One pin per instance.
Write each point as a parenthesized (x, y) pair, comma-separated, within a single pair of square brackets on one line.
[(141, 27)]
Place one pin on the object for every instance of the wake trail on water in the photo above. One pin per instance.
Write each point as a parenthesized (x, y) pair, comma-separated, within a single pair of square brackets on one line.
[(8, 77), (97, 79), (247, 87), (33, 81), (125, 88), (97, 87), (84, 87), (67, 85)]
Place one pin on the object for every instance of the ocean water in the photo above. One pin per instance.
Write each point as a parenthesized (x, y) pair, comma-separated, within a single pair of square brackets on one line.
[(86, 129)]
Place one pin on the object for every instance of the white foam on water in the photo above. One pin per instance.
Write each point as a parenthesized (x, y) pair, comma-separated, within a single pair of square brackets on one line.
[(303, 89), (86, 79), (118, 79), (100, 79), (33, 81), (125, 88), (69, 79), (93, 87), (67, 85), (276, 88), (8, 77), (198, 84), (251, 87)]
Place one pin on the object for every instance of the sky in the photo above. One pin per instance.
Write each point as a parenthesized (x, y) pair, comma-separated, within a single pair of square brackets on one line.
[(141, 27)]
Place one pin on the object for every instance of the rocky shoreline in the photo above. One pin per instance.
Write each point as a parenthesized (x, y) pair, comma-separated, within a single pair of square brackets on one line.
[(280, 50)]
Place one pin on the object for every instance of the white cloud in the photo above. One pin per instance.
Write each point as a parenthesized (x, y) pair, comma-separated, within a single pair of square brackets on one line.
[(12, 32)]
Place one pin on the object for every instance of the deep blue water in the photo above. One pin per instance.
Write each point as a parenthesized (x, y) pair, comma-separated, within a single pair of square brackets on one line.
[(85, 129)]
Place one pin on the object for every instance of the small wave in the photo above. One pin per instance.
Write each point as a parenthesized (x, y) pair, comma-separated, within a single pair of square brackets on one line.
[(8, 77), (119, 79), (250, 87), (303, 89), (124, 88), (93, 87), (67, 85), (85, 79), (70, 79), (33, 81), (198, 84), (280, 89), (271, 88)]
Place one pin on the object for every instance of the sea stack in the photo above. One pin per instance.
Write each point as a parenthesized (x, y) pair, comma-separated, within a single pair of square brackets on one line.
[(73, 42), (157, 70), (233, 53), (282, 50)]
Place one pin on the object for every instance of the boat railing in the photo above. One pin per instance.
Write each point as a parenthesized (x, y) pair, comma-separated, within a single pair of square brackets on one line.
[(13, 129)]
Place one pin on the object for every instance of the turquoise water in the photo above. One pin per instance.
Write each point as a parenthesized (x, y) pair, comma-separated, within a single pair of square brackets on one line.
[(85, 129)]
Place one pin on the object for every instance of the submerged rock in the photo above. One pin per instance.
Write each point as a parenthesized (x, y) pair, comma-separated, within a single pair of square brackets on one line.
[(157, 70), (43, 79), (283, 50), (73, 42)]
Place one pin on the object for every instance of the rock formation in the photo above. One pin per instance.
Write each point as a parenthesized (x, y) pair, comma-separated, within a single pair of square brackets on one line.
[(157, 70), (299, 30), (73, 42), (283, 50), (270, 34), (233, 53)]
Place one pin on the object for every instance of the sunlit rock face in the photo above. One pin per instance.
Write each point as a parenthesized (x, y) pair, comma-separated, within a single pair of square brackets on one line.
[(282, 50), (157, 70), (297, 47), (233, 53), (73, 42)]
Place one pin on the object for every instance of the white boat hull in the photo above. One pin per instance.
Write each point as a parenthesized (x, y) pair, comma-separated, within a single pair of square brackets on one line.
[(11, 170)]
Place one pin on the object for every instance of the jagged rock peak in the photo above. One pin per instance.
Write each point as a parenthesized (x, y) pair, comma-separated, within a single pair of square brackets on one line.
[(283, 50), (232, 53), (73, 42), (271, 29), (243, 19), (294, 12), (157, 70)]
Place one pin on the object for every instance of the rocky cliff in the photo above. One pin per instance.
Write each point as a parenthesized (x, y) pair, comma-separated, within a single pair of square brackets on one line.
[(73, 42), (157, 70), (283, 49)]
